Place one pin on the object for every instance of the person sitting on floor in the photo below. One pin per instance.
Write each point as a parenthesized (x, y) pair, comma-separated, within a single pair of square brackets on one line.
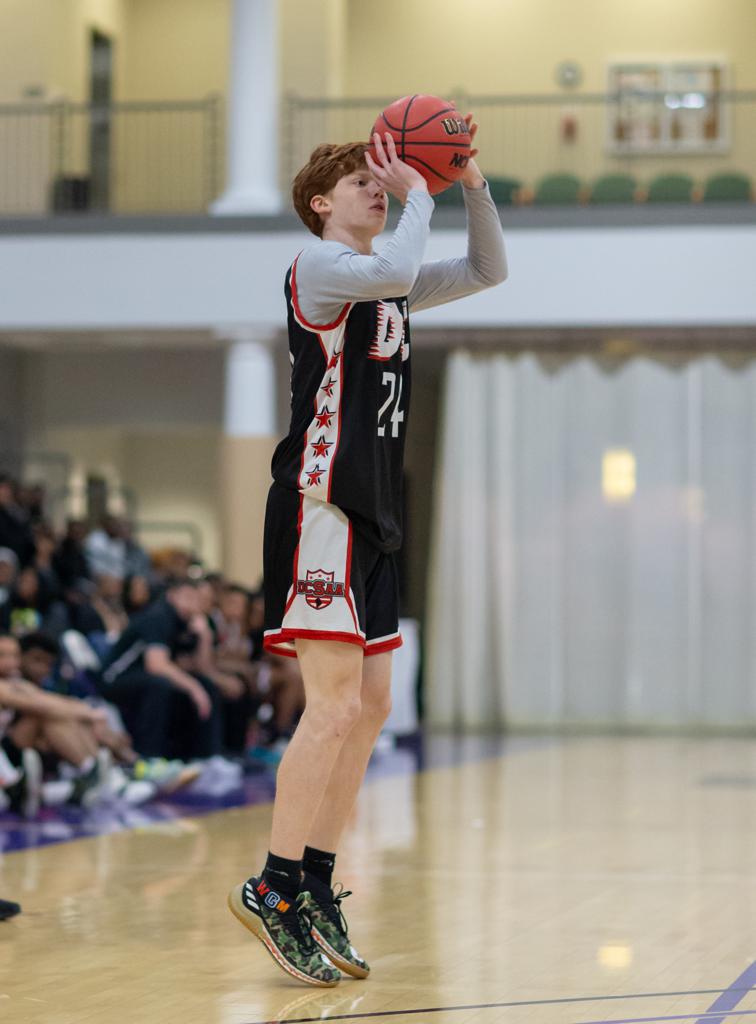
[(37, 723)]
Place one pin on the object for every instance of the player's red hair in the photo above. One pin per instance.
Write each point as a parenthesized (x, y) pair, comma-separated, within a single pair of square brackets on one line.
[(327, 165)]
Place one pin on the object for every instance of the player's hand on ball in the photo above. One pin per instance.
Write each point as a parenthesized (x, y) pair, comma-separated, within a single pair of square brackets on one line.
[(472, 177), (391, 173)]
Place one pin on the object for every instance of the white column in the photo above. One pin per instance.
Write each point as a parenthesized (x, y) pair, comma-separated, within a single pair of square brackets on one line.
[(253, 111), (250, 409), (246, 451)]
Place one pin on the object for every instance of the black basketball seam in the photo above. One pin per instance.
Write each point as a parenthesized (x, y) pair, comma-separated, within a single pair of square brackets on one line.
[(459, 145), (388, 124), (404, 122), (439, 113), (433, 170)]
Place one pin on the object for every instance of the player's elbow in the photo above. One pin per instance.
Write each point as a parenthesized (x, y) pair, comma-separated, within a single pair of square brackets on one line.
[(489, 277), (500, 276), (496, 273)]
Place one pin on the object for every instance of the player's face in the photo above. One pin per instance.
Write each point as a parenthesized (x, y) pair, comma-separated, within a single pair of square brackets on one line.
[(359, 203), (10, 658)]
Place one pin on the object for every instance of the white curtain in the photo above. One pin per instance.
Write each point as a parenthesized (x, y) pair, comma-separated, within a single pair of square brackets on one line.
[(553, 602)]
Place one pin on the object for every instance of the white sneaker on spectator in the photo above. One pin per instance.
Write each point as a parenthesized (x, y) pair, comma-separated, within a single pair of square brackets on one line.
[(167, 776), (223, 767), (26, 794), (131, 791), (56, 792)]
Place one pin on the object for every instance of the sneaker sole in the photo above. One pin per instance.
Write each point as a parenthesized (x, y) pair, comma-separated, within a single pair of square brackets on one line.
[(255, 924), (337, 959)]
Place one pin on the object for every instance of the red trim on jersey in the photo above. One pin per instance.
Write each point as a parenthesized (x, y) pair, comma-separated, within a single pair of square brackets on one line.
[(306, 323), (385, 645), (295, 574), (272, 641)]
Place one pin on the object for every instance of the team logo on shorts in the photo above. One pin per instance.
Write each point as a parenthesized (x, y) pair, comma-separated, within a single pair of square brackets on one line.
[(319, 589)]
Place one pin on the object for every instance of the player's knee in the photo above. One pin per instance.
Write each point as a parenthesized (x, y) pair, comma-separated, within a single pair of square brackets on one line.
[(377, 705), (335, 719)]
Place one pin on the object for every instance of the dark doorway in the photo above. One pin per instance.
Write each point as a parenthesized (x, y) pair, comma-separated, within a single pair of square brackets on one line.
[(100, 96)]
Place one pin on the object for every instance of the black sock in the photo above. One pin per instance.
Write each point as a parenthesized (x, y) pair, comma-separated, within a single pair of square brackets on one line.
[(319, 864), (282, 875)]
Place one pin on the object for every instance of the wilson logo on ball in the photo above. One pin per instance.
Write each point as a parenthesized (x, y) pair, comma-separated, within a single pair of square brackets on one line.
[(455, 126), (319, 588)]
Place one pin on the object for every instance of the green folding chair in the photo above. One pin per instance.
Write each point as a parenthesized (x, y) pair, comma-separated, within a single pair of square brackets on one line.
[(557, 190), (503, 190), (728, 188), (614, 188), (451, 196), (671, 188)]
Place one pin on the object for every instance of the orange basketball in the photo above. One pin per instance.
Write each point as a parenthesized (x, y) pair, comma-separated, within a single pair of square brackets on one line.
[(431, 135)]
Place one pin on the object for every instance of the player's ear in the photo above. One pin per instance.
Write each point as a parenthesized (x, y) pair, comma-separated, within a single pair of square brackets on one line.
[(320, 204)]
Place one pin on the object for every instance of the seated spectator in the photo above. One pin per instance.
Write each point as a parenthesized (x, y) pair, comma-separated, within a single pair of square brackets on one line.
[(137, 559), (30, 607), (285, 679), (106, 549), (168, 711), (39, 655), (102, 615), (70, 560), (44, 551), (276, 683), (174, 564), (137, 594), (31, 498), (8, 573), (15, 531), (237, 691), (46, 723)]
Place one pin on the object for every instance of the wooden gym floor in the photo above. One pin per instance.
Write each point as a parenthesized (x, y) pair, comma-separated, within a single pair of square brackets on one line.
[(563, 881)]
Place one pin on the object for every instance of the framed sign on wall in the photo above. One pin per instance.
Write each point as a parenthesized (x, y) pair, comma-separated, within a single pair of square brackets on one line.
[(667, 107)]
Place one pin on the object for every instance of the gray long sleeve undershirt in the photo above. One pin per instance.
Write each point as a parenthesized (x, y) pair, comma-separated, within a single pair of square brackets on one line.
[(330, 274)]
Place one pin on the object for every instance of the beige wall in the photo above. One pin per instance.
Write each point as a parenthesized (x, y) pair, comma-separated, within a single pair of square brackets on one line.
[(46, 43), (173, 473), (176, 49), (514, 46)]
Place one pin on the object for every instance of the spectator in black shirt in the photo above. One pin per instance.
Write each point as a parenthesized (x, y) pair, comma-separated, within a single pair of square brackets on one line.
[(137, 595), (70, 561), (168, 712), (15, 531)]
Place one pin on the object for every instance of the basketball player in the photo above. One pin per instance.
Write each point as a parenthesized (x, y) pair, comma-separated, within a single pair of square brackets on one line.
[(333, 520)]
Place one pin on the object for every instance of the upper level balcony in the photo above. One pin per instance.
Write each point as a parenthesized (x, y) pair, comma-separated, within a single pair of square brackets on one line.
[(634, 207)]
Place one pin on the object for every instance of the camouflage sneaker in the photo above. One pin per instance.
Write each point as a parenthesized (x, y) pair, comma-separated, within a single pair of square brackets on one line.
[(329, 928), (284, 929)]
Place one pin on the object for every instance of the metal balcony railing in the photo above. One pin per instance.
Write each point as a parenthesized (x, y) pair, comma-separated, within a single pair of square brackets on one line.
[(143, 158), (127, 158), (525, 138)]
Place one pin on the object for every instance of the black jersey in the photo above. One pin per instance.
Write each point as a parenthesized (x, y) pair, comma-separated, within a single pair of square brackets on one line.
[(350, 393)]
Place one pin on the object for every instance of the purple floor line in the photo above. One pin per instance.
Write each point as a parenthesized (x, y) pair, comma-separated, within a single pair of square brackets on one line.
[(732, 995), (680, 1016), (722, 1007)]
